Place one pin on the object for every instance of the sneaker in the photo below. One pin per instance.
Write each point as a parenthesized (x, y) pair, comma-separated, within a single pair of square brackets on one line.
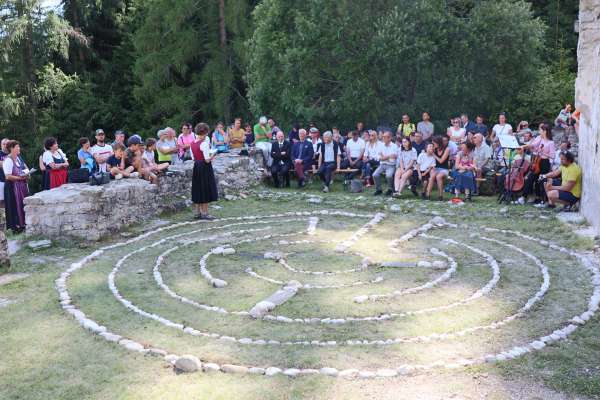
[(389, 192), (325, 189), (377, 192), (134, 175), (396, 194), (414, 192), (118, 177), (521, 200), (423, 196), (540, 205), (208, 217)]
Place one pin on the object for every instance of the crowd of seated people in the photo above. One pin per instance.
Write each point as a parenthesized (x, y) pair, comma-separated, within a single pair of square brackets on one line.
[(412, 155)]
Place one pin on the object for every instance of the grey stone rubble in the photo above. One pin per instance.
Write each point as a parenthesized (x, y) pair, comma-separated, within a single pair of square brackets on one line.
[(39, 244), (276, 299), (587, 101), (92, 212), (5, 302)]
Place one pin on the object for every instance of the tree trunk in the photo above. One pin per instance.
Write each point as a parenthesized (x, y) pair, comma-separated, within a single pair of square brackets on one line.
[(223, 45), (77, 25), (28, 74)]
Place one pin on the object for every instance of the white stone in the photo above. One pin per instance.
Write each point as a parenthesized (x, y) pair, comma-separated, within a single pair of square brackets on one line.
[(234, 369), (210, 367), (272, 371), (256, 371), (188, 363), (329, 371)]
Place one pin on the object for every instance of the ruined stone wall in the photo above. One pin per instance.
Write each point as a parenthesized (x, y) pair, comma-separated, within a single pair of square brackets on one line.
[(93, 212), (587, 100)]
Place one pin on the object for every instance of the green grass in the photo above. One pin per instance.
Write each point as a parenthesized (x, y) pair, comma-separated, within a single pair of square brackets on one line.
[(46, 355)]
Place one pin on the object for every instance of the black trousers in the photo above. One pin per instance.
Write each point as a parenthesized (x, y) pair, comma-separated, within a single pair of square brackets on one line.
[(357, 165), (326, 172), (533, 185), (280, 170)]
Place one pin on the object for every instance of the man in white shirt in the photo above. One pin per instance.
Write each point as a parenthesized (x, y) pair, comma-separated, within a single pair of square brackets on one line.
[(101, 150), (355, 150), (482, 156), (388, 152), (329, 160)]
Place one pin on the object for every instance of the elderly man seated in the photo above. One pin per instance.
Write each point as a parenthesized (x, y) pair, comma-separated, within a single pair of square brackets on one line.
[(567, 189), (329, 159), (482, 155), (302, 156), (388, 152), (281, 154)]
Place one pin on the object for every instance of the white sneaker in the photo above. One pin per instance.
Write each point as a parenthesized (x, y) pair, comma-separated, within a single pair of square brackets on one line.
[(134, 175), (540, 205), (325, 189), (521, 200), (118, 177)]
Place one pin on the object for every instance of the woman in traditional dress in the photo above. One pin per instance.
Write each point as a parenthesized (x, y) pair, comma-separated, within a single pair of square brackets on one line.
[(15, 188), (204, 185), (56, 163)]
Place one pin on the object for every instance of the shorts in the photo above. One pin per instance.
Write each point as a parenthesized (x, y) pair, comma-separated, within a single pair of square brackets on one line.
[(567, 197), (442, 171)]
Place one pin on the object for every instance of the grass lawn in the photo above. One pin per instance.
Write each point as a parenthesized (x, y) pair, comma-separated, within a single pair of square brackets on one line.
[(45, 354)]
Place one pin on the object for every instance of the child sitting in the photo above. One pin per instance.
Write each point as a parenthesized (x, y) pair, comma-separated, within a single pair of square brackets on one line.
[(150, 168), (116, 164)]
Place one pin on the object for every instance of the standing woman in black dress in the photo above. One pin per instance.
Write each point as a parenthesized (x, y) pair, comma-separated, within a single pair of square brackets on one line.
[(204, 185)]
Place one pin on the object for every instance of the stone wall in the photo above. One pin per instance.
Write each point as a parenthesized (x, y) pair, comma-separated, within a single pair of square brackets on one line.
[(93, 212), (587, 100)]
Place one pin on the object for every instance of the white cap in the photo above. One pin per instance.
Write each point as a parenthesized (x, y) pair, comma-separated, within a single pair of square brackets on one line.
[(262, 120)]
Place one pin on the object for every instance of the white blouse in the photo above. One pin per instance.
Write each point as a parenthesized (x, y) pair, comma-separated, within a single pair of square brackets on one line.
[(8, 163), (48, 156)]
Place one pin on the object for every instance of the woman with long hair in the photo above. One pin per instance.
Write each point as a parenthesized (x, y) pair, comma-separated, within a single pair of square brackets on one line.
[(405, 163), (543, 151), (441, 153), (15, 188), (204, 185)]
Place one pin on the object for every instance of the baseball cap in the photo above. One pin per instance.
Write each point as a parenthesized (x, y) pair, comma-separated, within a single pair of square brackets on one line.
[(100, 132), (262, 120), (313, 130), (135, 139)]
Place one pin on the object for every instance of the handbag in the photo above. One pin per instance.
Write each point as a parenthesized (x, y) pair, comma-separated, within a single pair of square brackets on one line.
[(356, 186), (99, 178), (80, 175)]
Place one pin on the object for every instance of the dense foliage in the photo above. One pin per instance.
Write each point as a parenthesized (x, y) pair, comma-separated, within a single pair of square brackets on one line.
[(139, 65)]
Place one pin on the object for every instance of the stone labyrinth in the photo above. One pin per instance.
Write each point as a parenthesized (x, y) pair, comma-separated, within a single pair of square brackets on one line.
[(334, 293)]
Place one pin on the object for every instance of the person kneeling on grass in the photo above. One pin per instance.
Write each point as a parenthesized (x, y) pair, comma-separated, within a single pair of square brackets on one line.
[(567, 189), (149, 166), (116, 164)]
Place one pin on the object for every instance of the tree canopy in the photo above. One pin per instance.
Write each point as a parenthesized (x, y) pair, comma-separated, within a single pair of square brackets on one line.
[(140, 65)]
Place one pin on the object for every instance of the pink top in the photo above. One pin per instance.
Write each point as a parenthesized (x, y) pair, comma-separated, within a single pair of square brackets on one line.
[(184, 139), (543, 147)]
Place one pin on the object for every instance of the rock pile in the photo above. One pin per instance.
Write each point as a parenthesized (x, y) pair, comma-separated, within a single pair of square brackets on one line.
[(92, 212)]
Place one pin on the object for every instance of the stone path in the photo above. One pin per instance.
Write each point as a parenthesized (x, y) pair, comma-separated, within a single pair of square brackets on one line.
[(10, 278), (558, 331)]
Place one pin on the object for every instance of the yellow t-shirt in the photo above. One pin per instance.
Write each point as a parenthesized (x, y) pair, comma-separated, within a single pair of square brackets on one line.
[(572, 173), (406, 129), (237, 134)]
